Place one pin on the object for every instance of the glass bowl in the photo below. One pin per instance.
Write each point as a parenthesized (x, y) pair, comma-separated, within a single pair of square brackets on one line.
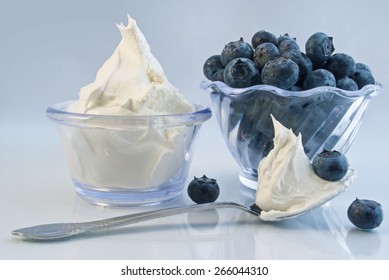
[(327, 118), (128, 160)]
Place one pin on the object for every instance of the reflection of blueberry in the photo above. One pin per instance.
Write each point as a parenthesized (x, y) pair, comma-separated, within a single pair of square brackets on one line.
[(265, 52), (319, 48), (365, 213), (240, 73), (341, 65), (263, 37), (236, 49), (203, 190), (319, 77), (362, 78), (280, 72), (211, 66), (347, 84), (330, 165)]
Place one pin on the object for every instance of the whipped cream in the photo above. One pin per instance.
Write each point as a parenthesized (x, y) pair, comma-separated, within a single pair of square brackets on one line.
[(131, 82), (287, 184)]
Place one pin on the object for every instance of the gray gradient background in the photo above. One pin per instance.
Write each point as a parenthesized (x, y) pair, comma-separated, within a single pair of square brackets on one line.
[(49, 49)]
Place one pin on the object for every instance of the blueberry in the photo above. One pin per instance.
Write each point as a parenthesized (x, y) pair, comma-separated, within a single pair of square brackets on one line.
[(319, 48), (211, 66), (286, 45), (203, 190), (362, 78), (365, 213), (341, 65), (261, 37), (218, 76), (284, 37), (330, 165), (318, 78), (236, 49), (265, 52), (297, 57), (308, 61), (280, 72), (347, 84), (240, 73), (362, 66)]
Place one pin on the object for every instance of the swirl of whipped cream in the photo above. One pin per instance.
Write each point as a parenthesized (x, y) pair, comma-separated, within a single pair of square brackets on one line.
[(131, 81), (287, 184)]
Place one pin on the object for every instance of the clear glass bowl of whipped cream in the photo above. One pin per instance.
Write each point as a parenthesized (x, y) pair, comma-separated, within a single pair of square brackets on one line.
[(128, 160), (327, 118)]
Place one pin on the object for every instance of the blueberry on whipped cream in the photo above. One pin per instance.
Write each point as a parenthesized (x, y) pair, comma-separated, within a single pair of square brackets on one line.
[(287, 183)]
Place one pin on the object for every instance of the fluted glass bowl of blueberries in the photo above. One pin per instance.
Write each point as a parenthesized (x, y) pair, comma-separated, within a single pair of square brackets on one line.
[(319, 93)]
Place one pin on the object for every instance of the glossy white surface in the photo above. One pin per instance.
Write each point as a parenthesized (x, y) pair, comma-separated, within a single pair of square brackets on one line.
[(47, 54)]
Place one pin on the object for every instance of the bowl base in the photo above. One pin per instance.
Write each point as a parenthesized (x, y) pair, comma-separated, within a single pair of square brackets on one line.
[(116, 197)]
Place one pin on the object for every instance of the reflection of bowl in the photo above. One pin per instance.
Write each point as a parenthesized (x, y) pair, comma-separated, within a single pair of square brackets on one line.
[(327, 118), (128, 160)]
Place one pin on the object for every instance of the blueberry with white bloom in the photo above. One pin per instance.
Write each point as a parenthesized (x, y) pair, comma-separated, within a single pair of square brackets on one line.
[(296, 56), (211, 66), (263, 36), (265, 52), (319, 48), (318, 78), (347, 84), (330, 165), (363, 78), (236, 49), (241, 73), (280, 72), (365, 214), (287, 45), (341, 65)]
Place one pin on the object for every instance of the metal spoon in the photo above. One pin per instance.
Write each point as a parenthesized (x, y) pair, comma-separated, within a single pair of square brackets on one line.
[(48, 232), (56, 231)]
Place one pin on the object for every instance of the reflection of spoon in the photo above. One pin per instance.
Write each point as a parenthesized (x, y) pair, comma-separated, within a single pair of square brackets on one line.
[(57, 231)]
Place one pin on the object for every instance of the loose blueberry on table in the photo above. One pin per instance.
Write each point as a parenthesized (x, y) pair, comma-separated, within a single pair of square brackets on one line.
[(365, 213), (203, 190)]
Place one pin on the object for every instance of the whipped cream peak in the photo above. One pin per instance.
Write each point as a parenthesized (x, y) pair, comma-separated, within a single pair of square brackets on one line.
[(131, 81), (287, 184)]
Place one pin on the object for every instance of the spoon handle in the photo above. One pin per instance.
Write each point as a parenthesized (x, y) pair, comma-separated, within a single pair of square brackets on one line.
[(65, 230)]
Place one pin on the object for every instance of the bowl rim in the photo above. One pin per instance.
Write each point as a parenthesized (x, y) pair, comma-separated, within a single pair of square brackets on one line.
[(59, 114), (220, 87)]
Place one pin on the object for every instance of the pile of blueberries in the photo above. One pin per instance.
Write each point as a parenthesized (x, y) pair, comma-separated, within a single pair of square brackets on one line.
[(280, 62)]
